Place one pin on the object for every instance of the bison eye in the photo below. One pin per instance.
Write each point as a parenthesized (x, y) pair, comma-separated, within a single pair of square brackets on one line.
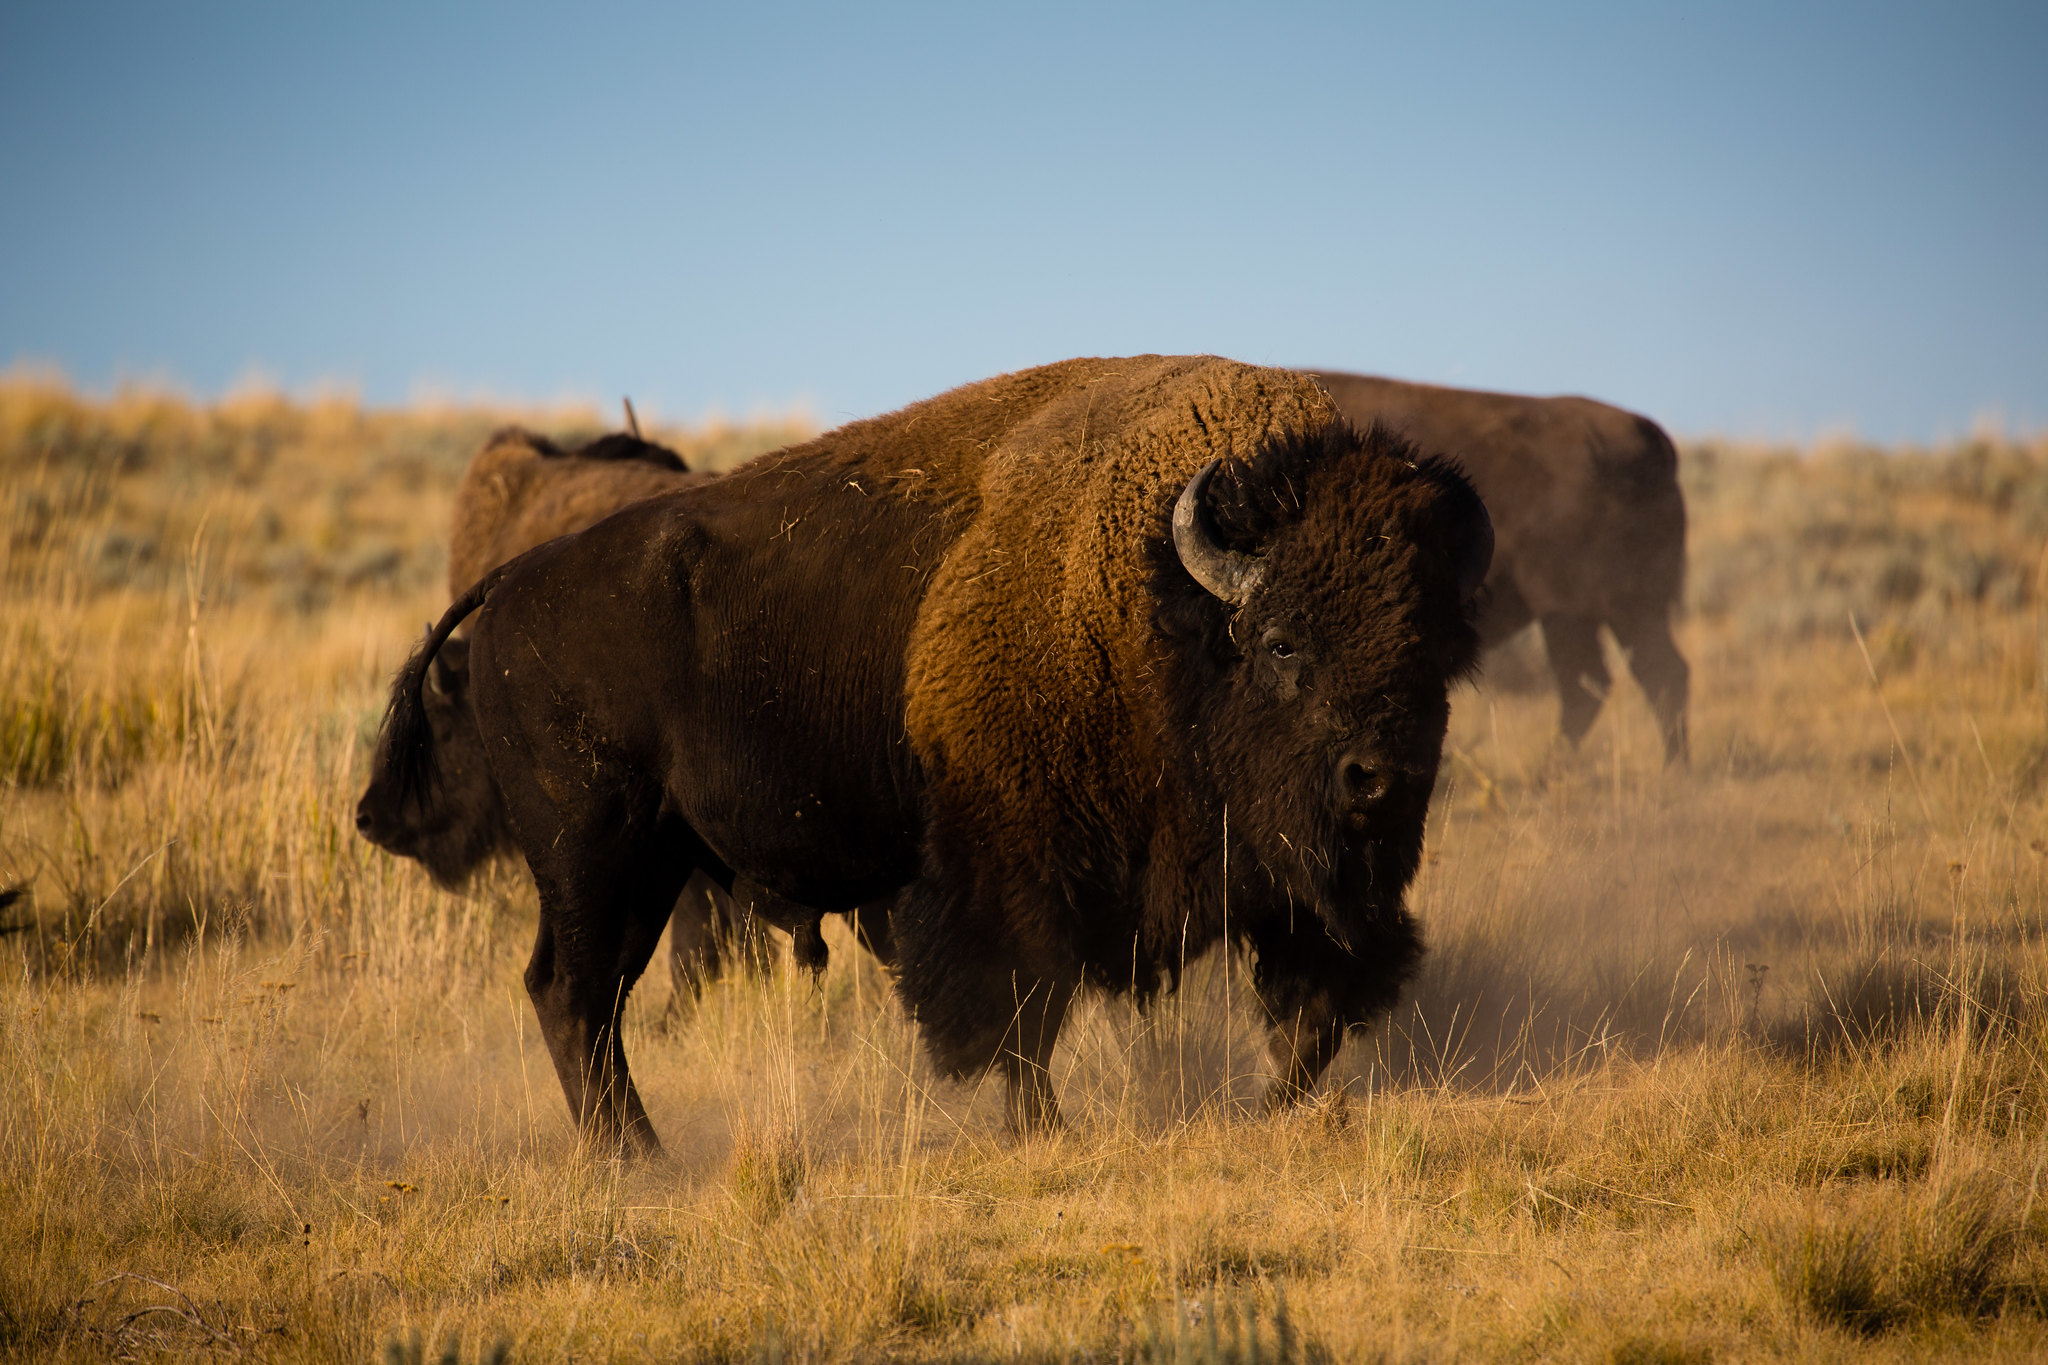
[(1278, 641), (1283, 661)]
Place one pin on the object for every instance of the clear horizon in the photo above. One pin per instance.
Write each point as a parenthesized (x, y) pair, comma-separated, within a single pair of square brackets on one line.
[(1752, 222)]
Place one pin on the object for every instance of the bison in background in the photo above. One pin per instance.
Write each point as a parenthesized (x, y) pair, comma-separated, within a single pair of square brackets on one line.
[(520, 491), (1591, 525), (1103, 664)]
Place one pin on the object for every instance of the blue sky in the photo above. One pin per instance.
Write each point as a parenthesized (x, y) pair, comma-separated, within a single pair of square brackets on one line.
[(1773, 220)]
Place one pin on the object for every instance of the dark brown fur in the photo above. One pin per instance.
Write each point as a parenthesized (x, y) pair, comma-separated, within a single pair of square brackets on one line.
[(1591, 526), (953, 650), (519, 491)]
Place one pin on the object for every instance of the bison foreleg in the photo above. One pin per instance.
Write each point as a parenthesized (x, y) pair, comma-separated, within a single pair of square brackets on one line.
[(597, 933), (1034, 1107), (1314, 989), (871, 927), (582, 1031), (1573, 643), (983, 1000), (1303, 1044), (591, 1063)]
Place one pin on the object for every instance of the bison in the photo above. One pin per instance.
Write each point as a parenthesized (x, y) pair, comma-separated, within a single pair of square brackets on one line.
[(1591, 521), (1100, 665), (523, 489), (519, 491)]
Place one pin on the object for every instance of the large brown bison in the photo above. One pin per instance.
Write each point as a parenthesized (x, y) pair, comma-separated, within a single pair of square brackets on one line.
[(1591, 521), (1101, 665), (520, 491)]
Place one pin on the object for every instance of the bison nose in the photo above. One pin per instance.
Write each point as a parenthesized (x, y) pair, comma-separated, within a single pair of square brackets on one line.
[(1361, 779), (364, 821)]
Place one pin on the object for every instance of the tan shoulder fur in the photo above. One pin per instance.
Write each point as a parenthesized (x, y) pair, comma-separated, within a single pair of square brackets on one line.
[(1046, 594)]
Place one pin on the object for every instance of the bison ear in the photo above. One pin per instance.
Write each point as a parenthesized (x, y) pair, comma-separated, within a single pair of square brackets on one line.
[(451, 668), (1474, 555)]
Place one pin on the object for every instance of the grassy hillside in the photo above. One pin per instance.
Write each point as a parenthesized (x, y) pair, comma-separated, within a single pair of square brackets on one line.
[(1744, 1061)]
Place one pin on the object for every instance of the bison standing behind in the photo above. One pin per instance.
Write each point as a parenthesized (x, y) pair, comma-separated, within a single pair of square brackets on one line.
[(1586, 502), (1102, 664), (522, 489)]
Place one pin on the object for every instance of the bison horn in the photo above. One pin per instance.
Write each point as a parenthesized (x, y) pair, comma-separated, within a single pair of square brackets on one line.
[(1227, 574)]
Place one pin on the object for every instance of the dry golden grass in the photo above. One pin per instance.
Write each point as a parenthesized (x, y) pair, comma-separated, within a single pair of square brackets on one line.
[(1740, 1062)]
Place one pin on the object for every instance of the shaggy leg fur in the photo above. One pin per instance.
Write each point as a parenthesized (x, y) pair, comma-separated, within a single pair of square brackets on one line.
[(1303, 1045), (600, 919), (1573, 644), (1661, 671), (982, 998), (1313, 990)]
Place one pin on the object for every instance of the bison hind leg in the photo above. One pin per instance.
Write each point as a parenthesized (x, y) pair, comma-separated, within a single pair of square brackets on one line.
[(709, 932), (1661, 671), (695, 944)]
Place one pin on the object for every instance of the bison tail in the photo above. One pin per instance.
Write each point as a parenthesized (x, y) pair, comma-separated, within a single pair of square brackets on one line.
[(407, 742)]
